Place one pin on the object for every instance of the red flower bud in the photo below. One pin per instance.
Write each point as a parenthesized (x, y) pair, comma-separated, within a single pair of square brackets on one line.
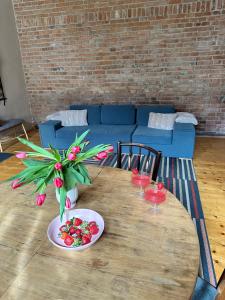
[(68, 203), (101, 155), (15, 184), (40, 199), (110, 149), (76, 149), (58, 166), (21, 155), (58, 182), (71, 156)]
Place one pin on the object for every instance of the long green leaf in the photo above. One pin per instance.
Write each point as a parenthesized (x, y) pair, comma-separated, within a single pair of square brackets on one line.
[(70, 180), (36, 148), (78, 176), (35, 162), (62, 201), (77, 141), (56, 153)]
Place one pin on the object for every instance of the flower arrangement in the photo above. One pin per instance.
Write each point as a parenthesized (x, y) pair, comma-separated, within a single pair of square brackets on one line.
[(65, 170)]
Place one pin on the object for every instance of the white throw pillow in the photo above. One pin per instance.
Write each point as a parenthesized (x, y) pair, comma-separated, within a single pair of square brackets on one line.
[(161, 121), (70, 117), (184, 117)]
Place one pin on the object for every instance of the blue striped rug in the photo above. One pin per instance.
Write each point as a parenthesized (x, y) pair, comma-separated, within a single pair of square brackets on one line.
[(178, 176)]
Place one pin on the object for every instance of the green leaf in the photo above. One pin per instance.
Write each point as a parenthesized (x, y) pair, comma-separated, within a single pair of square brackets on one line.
[(35, 162), (62, 193), (78, 176), (70, 180), (36, 148), (44, 181), (84, 172), (56, 153), (77, 141)]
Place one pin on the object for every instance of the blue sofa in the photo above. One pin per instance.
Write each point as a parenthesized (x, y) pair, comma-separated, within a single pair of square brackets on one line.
[(109, 124)]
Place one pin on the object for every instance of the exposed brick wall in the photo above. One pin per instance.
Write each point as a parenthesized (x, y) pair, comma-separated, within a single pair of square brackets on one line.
[(139, 51)]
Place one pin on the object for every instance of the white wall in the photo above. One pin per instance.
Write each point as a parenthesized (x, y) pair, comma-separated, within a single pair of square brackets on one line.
[(11, 70)]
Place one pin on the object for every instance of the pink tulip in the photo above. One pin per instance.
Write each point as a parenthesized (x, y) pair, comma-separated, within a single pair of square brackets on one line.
[(40, 199), (68, 203), (58, 182), (101, 155), (15, 184), (21, 155), (76, 149), (71, 156), (58, 166), (110, 149)]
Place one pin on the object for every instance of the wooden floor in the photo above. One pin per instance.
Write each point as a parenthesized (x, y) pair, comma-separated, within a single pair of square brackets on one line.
[(209, 162)]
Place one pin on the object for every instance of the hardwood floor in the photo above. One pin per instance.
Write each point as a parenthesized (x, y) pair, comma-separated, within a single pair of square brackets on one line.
[(209, 162)]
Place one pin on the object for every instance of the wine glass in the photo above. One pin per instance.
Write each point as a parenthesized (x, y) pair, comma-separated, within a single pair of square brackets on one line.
[(140, 179), (155, 195)]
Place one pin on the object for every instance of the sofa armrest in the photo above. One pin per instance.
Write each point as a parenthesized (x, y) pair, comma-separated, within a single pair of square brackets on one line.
[(47, 131), (184, 137), (184, 127)]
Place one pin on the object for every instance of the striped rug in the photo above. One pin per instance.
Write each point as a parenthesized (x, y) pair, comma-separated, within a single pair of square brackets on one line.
[(178, 176)]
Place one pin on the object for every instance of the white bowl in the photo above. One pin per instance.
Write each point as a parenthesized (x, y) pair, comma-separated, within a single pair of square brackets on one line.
[(85, 214)]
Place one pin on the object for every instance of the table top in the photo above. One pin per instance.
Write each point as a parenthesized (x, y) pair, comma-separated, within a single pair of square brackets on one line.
[(139, 256)]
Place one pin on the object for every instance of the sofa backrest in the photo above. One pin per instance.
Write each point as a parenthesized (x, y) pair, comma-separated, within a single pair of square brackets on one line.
[(118, 114), (93, 112), (144, 110)]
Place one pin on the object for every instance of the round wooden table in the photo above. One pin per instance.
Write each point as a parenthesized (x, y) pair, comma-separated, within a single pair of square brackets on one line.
[(139, 256)]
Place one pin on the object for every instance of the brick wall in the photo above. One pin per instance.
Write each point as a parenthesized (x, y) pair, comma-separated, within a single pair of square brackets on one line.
[(139, 51)]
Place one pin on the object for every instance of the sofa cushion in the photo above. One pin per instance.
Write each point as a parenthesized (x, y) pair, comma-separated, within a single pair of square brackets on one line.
[(161, 121), (112, 132), (144, 110), (69, 132), (118, 114), (93, 112), (146, 135), (70, 117)]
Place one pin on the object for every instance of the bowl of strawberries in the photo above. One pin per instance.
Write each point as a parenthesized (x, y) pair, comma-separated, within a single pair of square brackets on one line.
[(79, 230)]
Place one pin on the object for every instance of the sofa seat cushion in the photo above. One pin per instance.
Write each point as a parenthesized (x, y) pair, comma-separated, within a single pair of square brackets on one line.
[(146, 135), (112, 132), (118, 114), (69, 132)]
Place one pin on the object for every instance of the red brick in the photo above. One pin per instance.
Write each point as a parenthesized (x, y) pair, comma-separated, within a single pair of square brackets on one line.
[(166, 52)]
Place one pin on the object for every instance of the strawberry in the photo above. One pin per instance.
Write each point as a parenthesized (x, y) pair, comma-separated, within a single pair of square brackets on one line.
[(77, 222), (160, 186), (69, 240), (92, 223), (72, 230), (85, 240), (78, 232), (68, 222), (88, 235), (94, 229), (63, 235), (63, 228)]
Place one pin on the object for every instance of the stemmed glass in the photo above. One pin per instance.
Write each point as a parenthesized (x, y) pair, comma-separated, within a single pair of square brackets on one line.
[(140, 179), (156, 195)]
